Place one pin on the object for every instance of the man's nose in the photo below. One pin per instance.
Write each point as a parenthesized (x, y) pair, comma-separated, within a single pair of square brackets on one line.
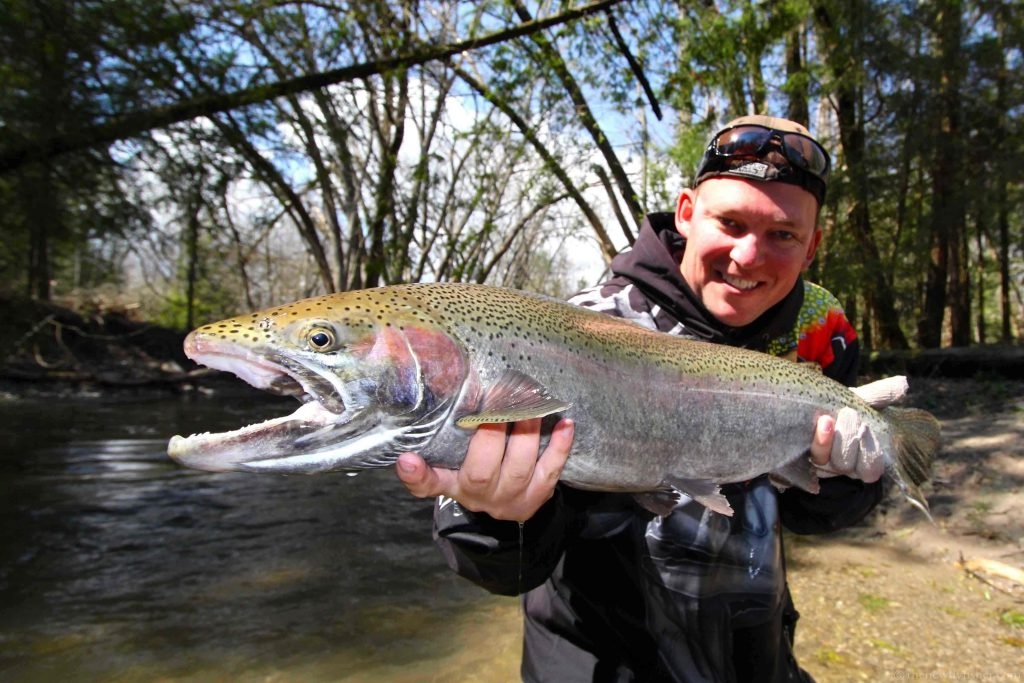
[(747, 251)]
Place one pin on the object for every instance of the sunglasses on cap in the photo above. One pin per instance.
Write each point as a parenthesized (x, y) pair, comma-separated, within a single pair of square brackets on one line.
[(754, 141)]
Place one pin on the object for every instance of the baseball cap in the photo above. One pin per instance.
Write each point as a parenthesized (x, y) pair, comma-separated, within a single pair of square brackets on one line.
[(767, 148)]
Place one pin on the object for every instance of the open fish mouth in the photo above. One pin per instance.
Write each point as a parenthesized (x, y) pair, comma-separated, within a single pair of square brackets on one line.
[(260, 446), (263, 445)]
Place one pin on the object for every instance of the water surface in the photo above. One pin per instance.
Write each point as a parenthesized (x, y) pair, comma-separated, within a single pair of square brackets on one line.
[(118, 565)]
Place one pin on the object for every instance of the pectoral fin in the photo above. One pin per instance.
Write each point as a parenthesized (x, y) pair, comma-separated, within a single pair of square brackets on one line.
[(514, 397)]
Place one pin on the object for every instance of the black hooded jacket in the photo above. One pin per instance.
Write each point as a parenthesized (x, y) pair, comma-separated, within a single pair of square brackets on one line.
[(614, 594)]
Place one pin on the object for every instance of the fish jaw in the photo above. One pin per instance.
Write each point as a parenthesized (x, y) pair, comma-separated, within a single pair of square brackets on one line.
[(258, 446), (229, 357), (311, 440), (266, 444), (256, 369)]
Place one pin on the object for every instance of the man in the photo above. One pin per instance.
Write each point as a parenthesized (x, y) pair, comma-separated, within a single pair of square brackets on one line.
[(613, 593)]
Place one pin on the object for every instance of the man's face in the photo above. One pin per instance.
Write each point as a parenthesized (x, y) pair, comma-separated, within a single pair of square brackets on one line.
[(747, 243)]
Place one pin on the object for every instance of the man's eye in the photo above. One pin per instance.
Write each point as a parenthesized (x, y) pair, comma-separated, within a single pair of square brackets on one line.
[(785, 236)]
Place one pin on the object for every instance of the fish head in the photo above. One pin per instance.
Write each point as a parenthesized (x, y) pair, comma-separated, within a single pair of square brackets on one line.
[(376, 375)]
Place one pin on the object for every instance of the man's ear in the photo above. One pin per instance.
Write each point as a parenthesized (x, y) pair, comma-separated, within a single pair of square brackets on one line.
[(812, 247), (684, 211)]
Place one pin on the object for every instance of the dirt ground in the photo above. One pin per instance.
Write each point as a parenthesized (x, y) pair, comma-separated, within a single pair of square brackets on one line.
[(899, 598)]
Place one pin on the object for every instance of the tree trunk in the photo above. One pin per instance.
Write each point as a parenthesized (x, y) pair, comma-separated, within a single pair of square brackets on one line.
[(797, 108), (842, 55), (192, 257), (42, 214), (1002, 180), (947, 269)]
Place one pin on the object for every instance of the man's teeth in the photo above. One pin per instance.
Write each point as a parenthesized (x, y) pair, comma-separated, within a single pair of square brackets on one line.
[(739, 283)]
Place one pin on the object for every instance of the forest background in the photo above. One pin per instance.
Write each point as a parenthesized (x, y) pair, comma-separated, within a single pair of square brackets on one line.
[(191, 160)]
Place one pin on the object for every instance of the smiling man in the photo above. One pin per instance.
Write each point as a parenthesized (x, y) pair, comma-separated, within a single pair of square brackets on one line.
[(613, 594), (749, 241), (746, 246)]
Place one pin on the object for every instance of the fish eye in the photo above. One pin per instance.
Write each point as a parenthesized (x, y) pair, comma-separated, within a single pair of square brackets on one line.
[(321, 339)]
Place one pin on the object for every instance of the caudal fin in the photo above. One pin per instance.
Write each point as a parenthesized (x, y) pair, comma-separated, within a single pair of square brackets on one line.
[(916, 441)]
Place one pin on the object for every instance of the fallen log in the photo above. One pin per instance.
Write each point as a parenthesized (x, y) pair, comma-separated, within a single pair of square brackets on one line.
[(961, 362)]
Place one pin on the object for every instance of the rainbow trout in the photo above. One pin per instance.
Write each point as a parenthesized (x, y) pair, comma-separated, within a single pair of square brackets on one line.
[(418, 367)]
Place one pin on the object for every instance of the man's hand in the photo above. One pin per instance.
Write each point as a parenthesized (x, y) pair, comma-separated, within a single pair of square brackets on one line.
[(845, 445), (502, 474)]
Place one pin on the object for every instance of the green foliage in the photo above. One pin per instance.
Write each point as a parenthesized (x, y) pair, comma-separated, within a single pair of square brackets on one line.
[(883, 68), (688, 147), (1012, 617), (873, 603), (66, 66), (209, 305)]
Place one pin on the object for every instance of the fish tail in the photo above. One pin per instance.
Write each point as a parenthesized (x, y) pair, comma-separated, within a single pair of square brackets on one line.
[(916, 441)]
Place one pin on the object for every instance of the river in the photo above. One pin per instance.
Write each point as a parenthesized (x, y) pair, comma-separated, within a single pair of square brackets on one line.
[(118, 565)]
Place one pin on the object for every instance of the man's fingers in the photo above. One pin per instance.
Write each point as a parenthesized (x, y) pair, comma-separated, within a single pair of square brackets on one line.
[(502, 476), (520, 498), (420, 479), (482, 466), (518, 492), (870, 459), (883, 392), (821, 445), (552, 460), (520, 457), (846, 445)]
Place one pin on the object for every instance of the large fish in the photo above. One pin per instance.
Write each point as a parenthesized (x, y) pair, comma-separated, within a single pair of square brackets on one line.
[(417, 367)]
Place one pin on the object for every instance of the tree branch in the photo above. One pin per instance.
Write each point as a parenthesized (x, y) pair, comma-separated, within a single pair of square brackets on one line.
[(129, 125), (587, 118), (634, 65), (607, 246)]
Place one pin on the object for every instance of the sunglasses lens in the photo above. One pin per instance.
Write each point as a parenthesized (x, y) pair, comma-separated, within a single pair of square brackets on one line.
[(751, 141), (742, 141), (805, 153)]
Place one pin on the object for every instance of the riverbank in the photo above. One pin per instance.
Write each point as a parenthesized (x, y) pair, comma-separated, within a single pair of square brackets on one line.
[(46, 347)]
